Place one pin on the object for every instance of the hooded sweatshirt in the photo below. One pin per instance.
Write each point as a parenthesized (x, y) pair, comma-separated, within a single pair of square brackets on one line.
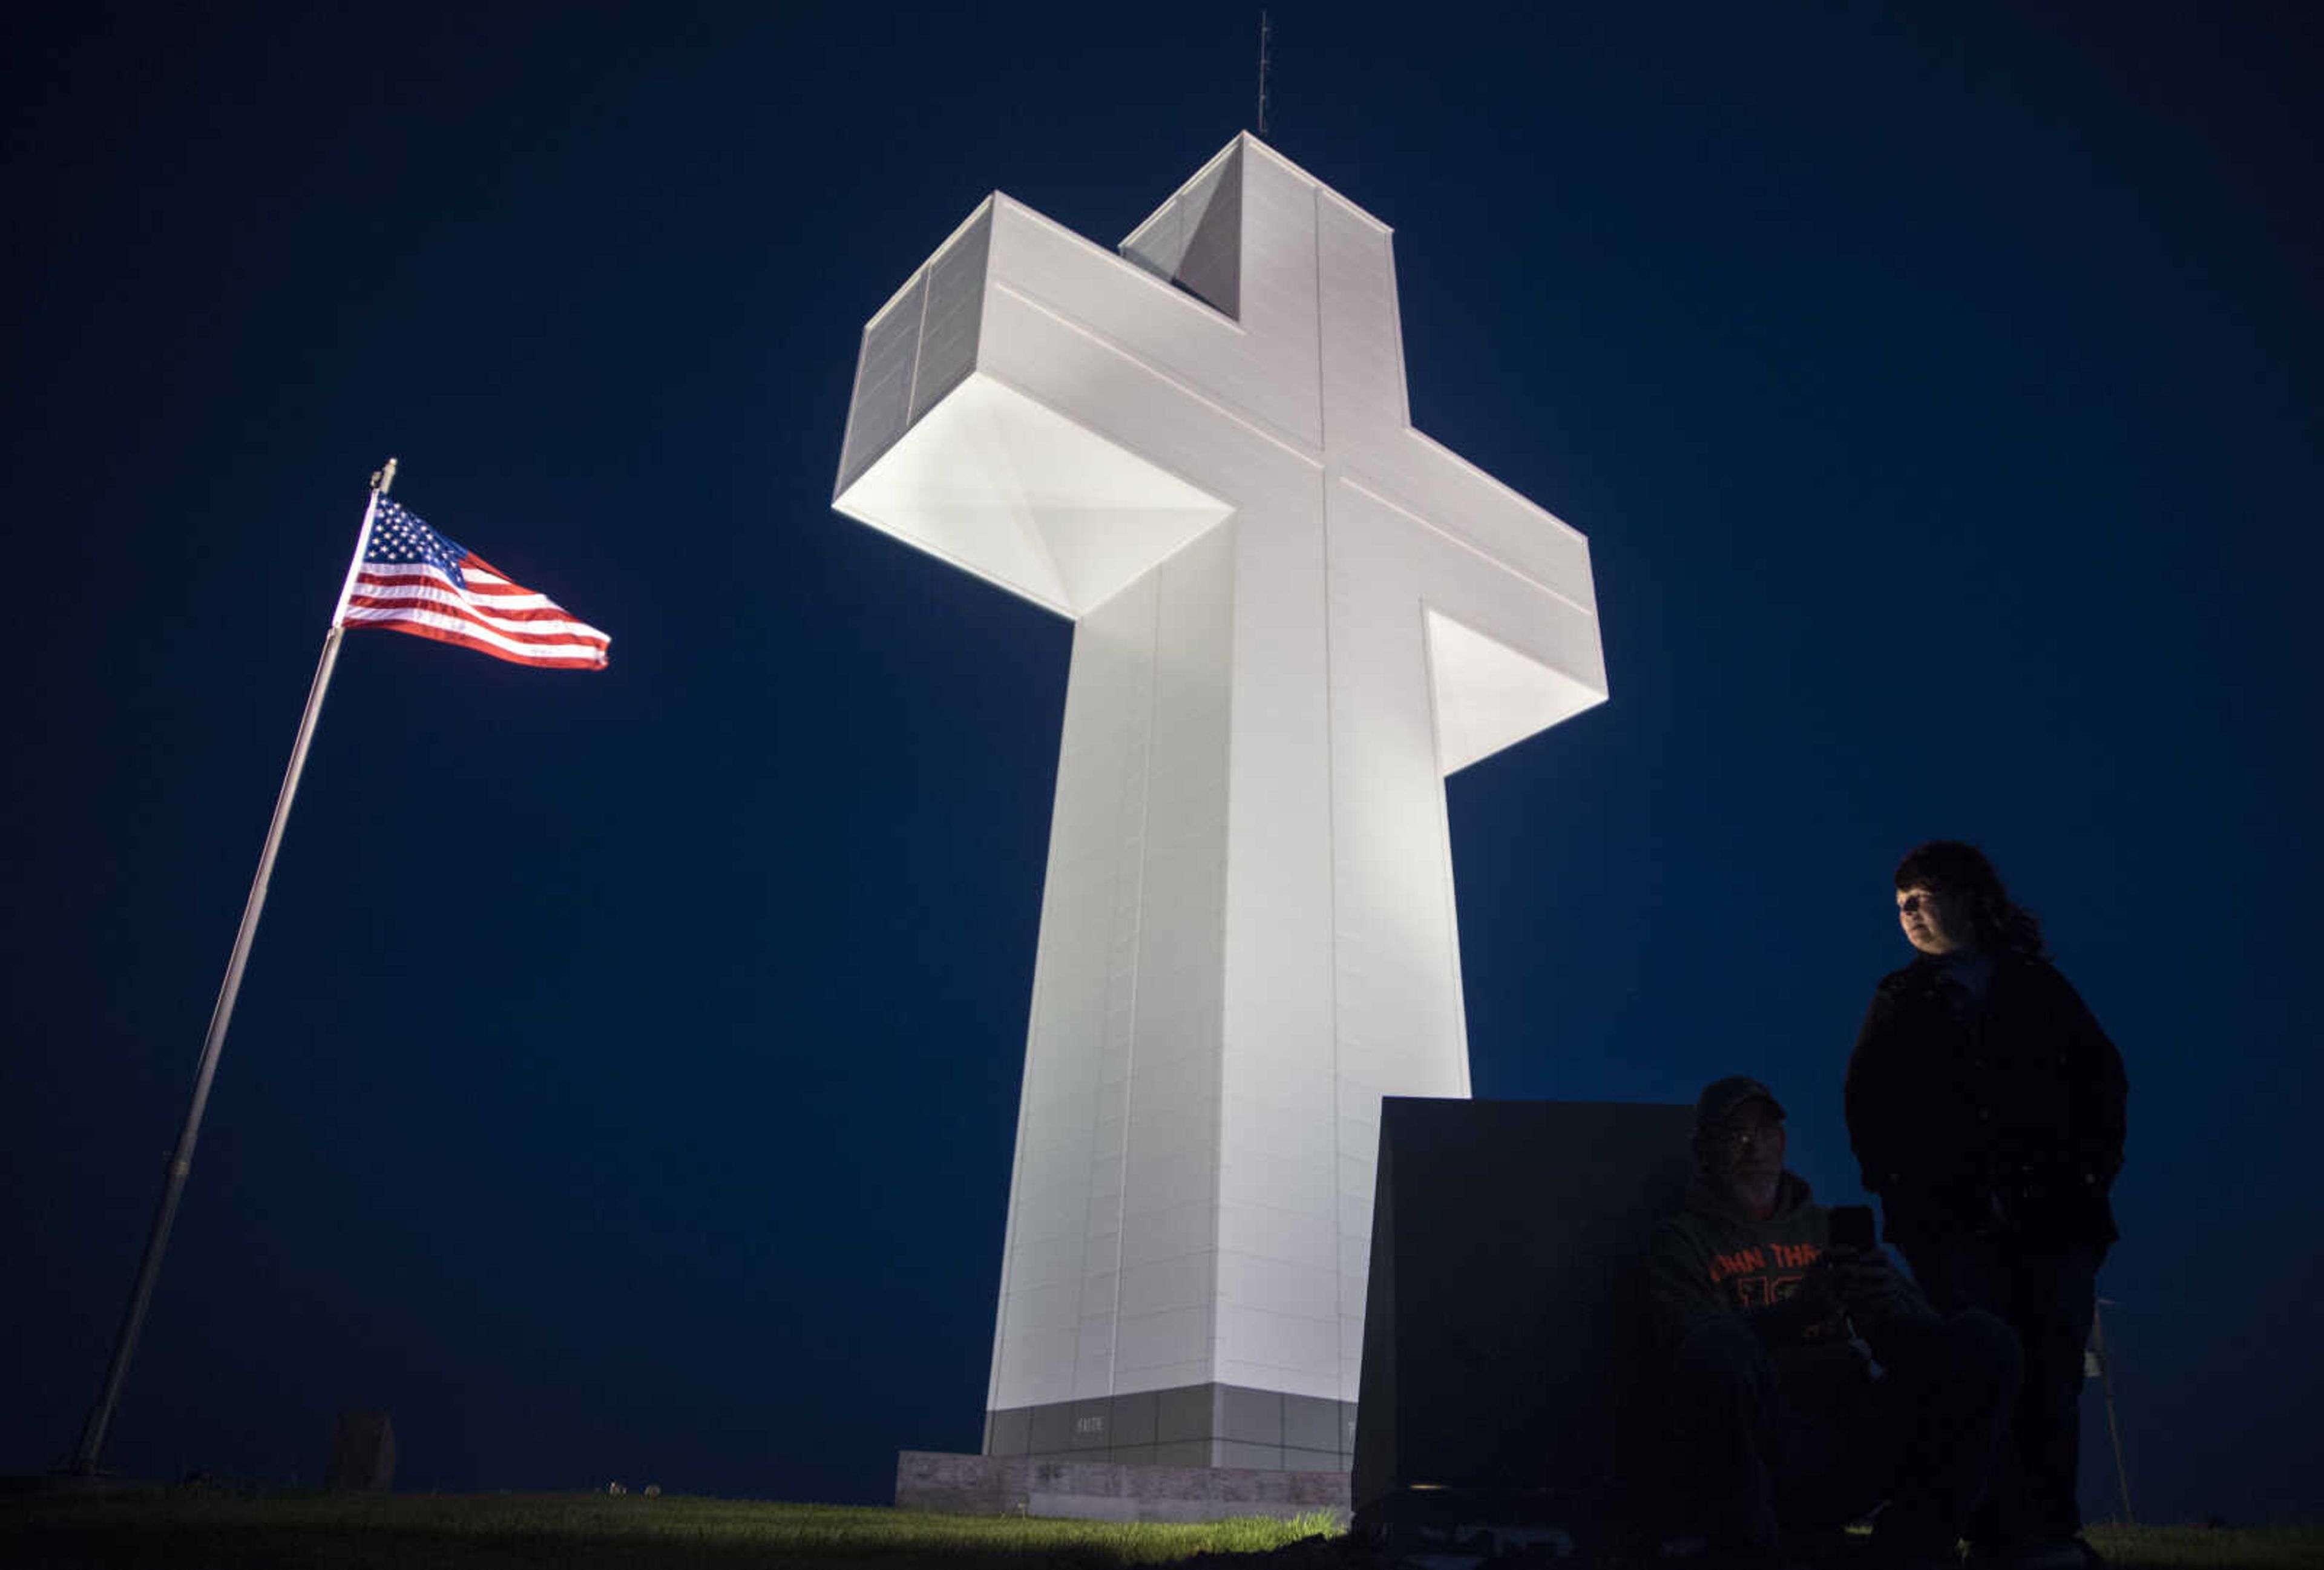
[(1716, 1258)]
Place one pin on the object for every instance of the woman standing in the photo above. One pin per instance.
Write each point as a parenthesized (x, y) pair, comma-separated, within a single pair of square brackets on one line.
[(1985, 1108)]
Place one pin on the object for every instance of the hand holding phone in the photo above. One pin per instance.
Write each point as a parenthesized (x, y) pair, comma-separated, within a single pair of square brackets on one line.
[(1851, 1227)]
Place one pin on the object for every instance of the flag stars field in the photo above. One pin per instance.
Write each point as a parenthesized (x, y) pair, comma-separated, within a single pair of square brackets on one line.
[(412, 579)]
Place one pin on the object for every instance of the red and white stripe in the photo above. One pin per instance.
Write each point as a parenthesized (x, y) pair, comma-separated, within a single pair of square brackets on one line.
[(493, 615)]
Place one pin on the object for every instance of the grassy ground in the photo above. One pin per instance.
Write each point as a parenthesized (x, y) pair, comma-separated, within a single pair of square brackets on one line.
[(187, 1530), (184, 1530), (2209, 1547)]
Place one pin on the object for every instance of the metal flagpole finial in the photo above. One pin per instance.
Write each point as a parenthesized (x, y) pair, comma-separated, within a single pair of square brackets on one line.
[(382, 479)]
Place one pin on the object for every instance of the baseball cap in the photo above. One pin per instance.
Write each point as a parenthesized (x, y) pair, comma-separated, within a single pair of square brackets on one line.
[(1721, 1098)]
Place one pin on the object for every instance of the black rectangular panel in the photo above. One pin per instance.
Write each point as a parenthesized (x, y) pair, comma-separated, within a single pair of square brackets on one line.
[(1506, 1348)]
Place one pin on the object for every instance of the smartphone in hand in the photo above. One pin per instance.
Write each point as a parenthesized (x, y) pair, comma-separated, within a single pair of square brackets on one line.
[(1851, 1227)]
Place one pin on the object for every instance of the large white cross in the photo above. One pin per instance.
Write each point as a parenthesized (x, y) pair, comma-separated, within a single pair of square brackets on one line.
[(1293, 616)]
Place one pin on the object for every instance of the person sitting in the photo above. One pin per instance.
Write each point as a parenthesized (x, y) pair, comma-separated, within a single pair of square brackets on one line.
[(1781, 1425)]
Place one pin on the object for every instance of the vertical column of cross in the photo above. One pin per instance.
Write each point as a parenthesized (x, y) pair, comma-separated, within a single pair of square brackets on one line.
[(1116, 639), (1061, 1261), (1170, 1192), (1396, 969)]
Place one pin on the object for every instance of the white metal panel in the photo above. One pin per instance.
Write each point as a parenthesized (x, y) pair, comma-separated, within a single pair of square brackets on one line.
[(1093, 1354), (1488, 696), (1195, 239), (1297, 1180), (1183, 1282), (1294, 1078), (1247, 366), (1136, 404), (1039, 1309), (1147, 1344), (1274, 1233), (1007, 488), (1150, 1233), (880, 407), (1291, 1343), (1365, 403), (1281, 1287), (1076, 1039), (1286, 1119), (1037, 1366), (953, 308)]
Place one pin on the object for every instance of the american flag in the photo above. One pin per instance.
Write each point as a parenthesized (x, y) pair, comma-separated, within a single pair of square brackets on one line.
[(414, 580)]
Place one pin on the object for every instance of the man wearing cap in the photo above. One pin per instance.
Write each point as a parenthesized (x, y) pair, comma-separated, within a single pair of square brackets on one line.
[(1781, 1424)]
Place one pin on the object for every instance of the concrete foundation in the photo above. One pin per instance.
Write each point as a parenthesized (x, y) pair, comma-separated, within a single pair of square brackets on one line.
[(1202, 1426), (1106, 1491)]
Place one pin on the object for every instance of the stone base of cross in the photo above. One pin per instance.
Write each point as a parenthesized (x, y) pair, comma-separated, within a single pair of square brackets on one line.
[(1293, 616)]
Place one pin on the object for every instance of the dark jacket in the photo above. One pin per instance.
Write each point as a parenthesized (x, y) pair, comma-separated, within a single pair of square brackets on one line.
[(1716, 1260), (2004, 1118)]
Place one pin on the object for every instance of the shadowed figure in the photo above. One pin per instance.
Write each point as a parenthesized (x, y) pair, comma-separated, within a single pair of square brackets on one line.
[(1987, 1110), (1783, 1423)]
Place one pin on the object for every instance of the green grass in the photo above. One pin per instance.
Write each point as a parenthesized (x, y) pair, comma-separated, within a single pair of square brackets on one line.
[(192, 1529), (2209, 1547), (185, 1529)]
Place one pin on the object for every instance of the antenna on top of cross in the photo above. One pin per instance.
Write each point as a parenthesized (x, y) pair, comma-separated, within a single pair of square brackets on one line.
[(1265, 33)]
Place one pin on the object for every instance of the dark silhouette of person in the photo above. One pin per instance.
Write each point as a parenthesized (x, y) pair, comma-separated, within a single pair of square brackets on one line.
[(1781, 1425), (1987, 1109)]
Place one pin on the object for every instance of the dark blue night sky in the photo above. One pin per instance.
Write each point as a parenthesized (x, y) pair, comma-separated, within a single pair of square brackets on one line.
[(626, 1081)]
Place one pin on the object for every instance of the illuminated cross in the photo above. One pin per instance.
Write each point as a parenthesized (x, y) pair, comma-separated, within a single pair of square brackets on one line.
[(1293, 616)]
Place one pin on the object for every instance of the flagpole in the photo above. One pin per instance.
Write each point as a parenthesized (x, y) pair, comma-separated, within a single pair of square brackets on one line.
[(2106, 1384), (100, 1417)]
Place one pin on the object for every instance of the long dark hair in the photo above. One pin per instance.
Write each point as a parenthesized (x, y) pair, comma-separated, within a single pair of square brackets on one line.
[(1952, 867)]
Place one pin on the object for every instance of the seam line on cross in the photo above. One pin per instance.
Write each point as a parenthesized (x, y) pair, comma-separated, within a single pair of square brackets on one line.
[(912, 281), (1444, 835), (1496, 563), (1519, 497), (1243, 418), (1319, 460), (920, 342), (1137, 939)]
